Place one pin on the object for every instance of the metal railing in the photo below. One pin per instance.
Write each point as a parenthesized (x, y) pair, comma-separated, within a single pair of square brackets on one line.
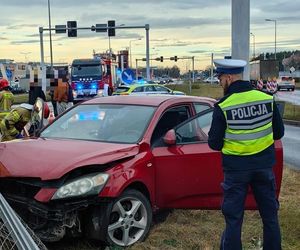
[(14, 233)]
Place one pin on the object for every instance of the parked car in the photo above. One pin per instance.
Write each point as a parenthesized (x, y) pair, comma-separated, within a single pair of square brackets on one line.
[(106, 165), (286, 82), (212, 79), (145, 89)]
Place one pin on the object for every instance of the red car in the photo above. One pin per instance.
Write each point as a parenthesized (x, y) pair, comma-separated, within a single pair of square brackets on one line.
[(102, 168)]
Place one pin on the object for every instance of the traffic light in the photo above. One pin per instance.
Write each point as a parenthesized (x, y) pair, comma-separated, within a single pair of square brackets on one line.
[(161, 58), (72, 28), (111, 32), (175, 58)]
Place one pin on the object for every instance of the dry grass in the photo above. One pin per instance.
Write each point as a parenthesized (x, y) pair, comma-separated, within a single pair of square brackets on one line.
[(291, 112), (201, 229)]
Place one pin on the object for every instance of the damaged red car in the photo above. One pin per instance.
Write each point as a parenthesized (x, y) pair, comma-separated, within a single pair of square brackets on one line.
[(105, 166)]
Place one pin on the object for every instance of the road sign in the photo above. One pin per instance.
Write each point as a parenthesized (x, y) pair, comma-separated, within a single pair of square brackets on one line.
[(292, 69), (128, 76), (60, 29), (8, 74), (101, 27)]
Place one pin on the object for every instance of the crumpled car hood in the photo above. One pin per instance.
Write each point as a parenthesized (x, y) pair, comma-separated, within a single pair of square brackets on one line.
[(51, 159)]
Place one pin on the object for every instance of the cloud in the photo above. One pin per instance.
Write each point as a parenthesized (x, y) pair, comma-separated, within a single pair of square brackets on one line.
[(67, 3), (21, 42), (22, 26)]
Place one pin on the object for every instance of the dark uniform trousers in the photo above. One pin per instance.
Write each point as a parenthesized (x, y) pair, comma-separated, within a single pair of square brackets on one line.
[(235, 186)]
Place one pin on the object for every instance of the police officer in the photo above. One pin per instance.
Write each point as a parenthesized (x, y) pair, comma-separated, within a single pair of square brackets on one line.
[(13, 123), (245, 124)]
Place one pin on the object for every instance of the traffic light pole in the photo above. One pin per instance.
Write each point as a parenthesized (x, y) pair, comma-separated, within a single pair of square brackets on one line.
[(146, 27), (42, 60)]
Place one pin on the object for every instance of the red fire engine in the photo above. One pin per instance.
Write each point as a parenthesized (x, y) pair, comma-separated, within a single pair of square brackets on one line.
[(93, 77)]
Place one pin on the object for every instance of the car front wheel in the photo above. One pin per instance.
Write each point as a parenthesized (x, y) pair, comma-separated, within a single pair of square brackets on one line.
[(130, 219)]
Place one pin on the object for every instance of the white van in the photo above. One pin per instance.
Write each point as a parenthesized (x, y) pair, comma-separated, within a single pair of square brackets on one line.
[(286, 82)]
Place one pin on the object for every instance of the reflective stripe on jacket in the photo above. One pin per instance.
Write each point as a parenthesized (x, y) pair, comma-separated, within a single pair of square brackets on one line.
[(6, 100), (249, 122)]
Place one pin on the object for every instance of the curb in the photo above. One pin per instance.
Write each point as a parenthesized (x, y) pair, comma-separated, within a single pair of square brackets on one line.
[(291, 122)]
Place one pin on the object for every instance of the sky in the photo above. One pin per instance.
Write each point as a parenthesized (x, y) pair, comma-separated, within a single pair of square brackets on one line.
[(183, 28)]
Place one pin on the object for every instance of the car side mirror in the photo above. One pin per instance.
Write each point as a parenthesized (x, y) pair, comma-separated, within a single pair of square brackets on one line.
[(170, 137)]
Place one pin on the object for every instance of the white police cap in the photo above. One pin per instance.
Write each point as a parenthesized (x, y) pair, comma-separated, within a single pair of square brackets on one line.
[(26, 106), (229, 66)]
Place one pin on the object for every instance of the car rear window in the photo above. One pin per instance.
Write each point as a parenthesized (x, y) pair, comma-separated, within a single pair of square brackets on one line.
[(286, 78), (122, 89)]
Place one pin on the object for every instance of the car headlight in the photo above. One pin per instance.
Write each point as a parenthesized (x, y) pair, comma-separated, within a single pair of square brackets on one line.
[(86, 185)]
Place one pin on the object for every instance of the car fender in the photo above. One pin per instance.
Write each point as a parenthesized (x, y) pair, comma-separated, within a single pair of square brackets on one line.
[(124, 175)]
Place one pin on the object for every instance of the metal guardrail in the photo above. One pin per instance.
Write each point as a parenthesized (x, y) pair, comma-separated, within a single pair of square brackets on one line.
[(15, 234)]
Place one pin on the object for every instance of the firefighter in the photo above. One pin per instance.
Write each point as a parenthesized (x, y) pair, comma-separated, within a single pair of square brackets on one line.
[(13, 123), (6, 97), (245, 124)]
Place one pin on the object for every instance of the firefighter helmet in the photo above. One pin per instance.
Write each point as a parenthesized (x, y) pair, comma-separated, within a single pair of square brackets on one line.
[(46, 110), (3, 83)]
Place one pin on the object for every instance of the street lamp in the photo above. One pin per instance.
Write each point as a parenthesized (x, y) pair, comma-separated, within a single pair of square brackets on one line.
[(253, 44), (130, 49), (275, 22)]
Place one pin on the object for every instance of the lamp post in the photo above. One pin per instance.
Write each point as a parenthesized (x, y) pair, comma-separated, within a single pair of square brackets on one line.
[(253, 44), (130, 49), (275, 22)]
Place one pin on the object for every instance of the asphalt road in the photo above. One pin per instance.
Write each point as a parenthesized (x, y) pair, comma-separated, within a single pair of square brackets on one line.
[(291, 146), (288, 96)]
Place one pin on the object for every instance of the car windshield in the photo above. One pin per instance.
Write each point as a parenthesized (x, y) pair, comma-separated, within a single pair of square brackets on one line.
[(86, 70), (106, 122)]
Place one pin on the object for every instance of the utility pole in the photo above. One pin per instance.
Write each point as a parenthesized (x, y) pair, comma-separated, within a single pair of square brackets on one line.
[(50, 36), (240, 32)]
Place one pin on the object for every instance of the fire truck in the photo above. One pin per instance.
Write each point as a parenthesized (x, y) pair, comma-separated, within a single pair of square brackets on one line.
[(93, 77)]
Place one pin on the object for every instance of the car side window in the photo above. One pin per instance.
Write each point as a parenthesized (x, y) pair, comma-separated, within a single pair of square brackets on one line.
[(138, 89), (149, 89), (195, 130), (199, 107), (170, 119), (161, 89)]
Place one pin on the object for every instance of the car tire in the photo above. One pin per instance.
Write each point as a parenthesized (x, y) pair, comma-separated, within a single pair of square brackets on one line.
[(130, 218)]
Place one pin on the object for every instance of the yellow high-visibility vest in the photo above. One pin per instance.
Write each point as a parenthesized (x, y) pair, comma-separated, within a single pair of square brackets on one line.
[(249, 122)]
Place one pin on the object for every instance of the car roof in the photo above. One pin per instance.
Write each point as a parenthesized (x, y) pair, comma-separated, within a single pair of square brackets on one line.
[(140, 85), (150, 100)]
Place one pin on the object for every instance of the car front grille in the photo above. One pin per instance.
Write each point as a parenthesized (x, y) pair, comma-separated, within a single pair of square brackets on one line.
[(26, 188)]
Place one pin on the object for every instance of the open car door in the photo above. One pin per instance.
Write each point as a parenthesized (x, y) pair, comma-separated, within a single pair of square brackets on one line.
[(188, 172), (37, 119)]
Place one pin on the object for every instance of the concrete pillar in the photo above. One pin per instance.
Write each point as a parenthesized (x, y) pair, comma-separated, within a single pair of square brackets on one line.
[(240, 32)]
